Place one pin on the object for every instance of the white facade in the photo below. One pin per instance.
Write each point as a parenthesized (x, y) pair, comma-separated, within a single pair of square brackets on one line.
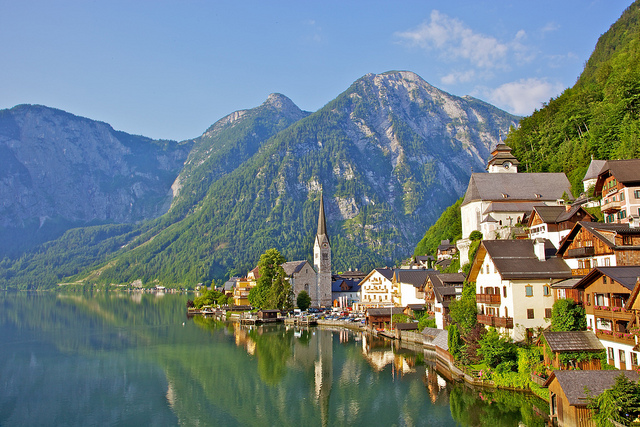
[(541, 231), (375, 290), (527, 302), (405, 294)]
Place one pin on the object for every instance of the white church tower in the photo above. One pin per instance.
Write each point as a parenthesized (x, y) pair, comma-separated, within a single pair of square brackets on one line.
[(322, 261)]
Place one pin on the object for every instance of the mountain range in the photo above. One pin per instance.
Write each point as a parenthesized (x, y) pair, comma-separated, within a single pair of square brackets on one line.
[(95, 205)]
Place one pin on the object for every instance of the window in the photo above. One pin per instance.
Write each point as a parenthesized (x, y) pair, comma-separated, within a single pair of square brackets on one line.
[(634, 359), (636, 194), (610, 353), (546, 290), (627, 240), (504, 291), (528, 290), (622, 214), (604, 280), (623, 358), (622, 197), (547, 313), (530, 314)]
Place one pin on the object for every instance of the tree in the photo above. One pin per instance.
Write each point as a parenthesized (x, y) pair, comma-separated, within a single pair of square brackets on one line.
[(464, 312), (566, 315), (620, 403), (453, 340), (497, 349), (272, 289), (303, 301)]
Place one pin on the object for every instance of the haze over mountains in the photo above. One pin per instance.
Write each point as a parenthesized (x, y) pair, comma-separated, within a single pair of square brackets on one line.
[(389, 154)]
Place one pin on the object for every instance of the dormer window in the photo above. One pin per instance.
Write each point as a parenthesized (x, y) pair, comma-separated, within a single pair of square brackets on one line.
[(538, 196), (505, 196)]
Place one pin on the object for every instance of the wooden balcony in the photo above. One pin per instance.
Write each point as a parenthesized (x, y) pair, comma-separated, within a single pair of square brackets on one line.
[(580, 271), (581, 252), (608, 312), (498, 322), (619, 337), (488, 298), (611, 207)]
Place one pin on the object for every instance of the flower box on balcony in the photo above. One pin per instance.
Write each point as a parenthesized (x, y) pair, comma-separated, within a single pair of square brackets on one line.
[(616, 308)]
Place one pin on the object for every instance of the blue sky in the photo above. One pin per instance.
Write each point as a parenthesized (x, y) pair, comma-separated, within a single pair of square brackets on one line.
[(170, 69)]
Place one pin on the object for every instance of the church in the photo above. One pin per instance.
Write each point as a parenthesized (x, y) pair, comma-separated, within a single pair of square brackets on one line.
[(316, 280)]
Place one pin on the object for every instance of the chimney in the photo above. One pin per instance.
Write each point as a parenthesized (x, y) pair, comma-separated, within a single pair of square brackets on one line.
[(538, 249), (567, 207)]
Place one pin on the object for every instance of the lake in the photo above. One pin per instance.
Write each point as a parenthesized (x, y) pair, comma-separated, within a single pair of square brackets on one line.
[(135, 359)]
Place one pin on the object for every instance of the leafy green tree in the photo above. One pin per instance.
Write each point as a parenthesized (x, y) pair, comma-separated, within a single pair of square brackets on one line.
[(620, 403), (464, 312), (454, 341), (303, 301), (566, 315), (272, 289), (475, 235), (496, 349)]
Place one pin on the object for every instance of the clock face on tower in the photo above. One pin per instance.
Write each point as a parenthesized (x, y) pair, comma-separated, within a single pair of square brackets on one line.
[(506, 165), (324, 245)]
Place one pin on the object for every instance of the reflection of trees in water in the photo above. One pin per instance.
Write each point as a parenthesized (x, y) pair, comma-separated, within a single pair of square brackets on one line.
[(495, 408), (272, 351)]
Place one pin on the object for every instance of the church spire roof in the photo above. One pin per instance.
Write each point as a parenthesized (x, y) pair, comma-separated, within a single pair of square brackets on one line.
[(322, 222)]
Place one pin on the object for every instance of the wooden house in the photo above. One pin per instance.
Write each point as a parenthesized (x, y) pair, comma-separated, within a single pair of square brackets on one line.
[(619, 185), (606, 293), (558, 344), (555, 222), (268, 315), (379, 317), (568, 398)]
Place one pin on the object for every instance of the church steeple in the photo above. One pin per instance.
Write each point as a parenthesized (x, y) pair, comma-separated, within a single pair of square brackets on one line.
[(322, 261)]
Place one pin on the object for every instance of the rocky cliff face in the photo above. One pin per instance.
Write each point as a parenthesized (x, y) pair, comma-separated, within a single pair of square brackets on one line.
[(56, 165)]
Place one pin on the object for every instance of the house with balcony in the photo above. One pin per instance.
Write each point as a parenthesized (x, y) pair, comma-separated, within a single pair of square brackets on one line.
[(513, 284), (555, 222), (408, 286), (619, 185), (376, 288), (607, 291), (596, 244), (440, 290), (242, 288)]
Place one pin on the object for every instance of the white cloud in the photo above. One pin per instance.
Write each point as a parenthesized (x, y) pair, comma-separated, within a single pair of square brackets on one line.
[(455, 41), (524, 96), (458, 77), (550, 27)]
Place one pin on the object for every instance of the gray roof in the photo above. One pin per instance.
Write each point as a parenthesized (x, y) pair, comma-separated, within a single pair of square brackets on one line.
[(594, 169), (516, 187), (431, 332), (626, 275), (384, 311), (406, 326), (524, 207), (573, 341), (566, 284), (573, 383), (416, 278), (624, 171), (441, 340), (558, 214), (387, 273), (292, 267), (515, 259)]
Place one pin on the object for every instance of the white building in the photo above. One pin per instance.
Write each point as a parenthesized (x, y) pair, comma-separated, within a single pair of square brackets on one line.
[(376, 288), (513, 284)]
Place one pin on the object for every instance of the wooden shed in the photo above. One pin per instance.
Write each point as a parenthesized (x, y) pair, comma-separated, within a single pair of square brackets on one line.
[(377, 317), (268, 315), (568, 398), (558, 344)]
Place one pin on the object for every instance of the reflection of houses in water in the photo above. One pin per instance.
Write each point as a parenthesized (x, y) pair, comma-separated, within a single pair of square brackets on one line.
[(436, 385), (379, 353), (242, 338)]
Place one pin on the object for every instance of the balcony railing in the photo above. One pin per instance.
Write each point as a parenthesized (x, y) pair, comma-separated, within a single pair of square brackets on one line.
[(580, 271), (488, 298), (498, 322), (580, 252), (612, 206), (608, 312), (620, 337)]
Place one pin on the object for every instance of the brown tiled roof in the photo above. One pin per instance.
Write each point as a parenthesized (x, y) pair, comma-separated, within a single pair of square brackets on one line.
[(624, 171), (515, 259), (572, 341), (573, 383), (599, 229), (384, 311), (517, 187), (626, 275)]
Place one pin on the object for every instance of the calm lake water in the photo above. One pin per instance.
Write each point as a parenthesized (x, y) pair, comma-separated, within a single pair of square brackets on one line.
[(135, 359)]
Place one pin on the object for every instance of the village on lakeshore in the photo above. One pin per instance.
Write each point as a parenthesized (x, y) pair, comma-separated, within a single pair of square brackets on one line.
[(544, 298)]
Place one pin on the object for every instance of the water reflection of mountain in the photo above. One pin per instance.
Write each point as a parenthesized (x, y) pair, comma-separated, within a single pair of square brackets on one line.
[(140, 357)]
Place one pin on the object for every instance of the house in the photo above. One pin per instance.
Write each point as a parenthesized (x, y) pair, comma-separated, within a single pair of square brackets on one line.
[(268, 315), (619, 185), (345, 291), (569, 392), (376, 288), (301, 276), (561, 345), (606, 293), (496, 202), (242, 288), (408, 286), (439, 290), (378, 317), (565, 289), (591, 176), (633, 306), (425, 261), (595, 244), (555, 222), (513, 284), (445, 250)]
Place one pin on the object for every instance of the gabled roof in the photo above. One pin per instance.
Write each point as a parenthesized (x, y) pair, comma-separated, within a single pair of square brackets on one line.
[(292, 267), (441, 341), (626, 172), (516, 259), (572, 341), (558, 214), (416, 278), (385, 272), (573, 383), (600, 231), (626, 275), (345, 285), (516, 187), (594, 169)]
